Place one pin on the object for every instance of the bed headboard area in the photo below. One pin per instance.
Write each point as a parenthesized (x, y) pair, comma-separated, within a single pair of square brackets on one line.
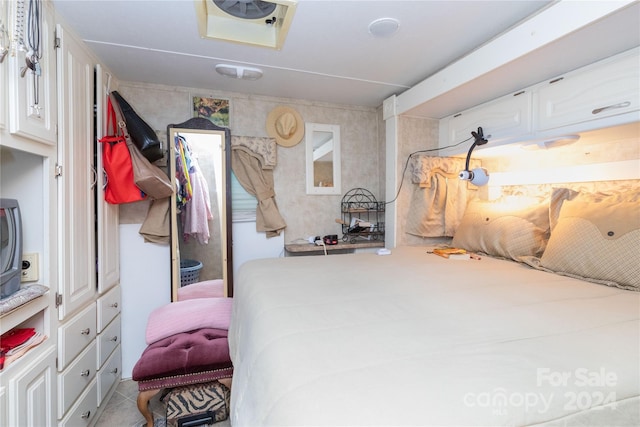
[(573, 210)]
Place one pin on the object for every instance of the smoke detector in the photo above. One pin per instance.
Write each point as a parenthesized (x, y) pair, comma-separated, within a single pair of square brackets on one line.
[(254, 22)]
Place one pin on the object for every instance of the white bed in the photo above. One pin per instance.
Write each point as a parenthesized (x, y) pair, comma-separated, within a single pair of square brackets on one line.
[(416, 339)]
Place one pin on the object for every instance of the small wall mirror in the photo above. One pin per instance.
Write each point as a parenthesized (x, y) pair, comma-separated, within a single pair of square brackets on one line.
[(323, 158), (200, 209)]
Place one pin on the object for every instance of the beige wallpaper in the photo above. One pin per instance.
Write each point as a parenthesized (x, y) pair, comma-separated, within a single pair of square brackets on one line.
[(361, 148)]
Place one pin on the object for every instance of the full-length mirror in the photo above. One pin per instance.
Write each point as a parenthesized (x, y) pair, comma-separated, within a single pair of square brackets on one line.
[(323, 158), (200, 169)]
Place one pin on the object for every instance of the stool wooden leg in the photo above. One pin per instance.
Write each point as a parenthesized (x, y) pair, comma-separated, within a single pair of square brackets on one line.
[(143, 404)]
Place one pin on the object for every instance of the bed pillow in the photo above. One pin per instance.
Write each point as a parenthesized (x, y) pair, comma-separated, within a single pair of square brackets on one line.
[(560, 195), (598, 241), (511, 227)]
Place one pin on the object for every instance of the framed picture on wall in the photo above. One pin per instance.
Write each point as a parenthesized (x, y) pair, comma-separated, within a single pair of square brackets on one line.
[(214, 109)]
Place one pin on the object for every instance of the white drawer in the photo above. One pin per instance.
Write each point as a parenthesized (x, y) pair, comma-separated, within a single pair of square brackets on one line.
[(75, 378), (109, 375), (108, 307), (108, 340), (85, 408), (75, 335)]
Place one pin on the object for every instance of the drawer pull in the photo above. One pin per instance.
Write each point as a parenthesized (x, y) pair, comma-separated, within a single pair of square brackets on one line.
[(114, 305), (85, 415), (85, 373), (114, 339), (611, 107), (85, 331), (114, 371)]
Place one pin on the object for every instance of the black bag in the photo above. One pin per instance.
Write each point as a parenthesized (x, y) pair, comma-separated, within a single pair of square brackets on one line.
[(197, 404), (147, 176), (141, 133)]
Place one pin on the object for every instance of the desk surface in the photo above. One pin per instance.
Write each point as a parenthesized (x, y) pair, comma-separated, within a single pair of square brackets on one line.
[(310, 247)]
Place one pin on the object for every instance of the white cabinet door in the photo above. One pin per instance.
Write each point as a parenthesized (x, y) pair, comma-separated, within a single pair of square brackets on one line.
[(108, 214), (4, 61), (499, 119), (33, 95), (32, 393), (603, 90), (76, 182)]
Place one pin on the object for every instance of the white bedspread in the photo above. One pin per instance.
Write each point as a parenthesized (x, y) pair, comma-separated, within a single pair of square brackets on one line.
[(416, 339)]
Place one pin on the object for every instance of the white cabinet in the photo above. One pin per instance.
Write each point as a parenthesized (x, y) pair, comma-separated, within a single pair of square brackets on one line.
[(502, 118), (606, 89), (77, 176), (4, 61), (75, 378), (31, 393), (32, 94), (109, 362), (83, 412), (28, 395), (107, 214), (108, 307), (603, 94), (75, 335), (108, 375), (51, 174), (4, 417)]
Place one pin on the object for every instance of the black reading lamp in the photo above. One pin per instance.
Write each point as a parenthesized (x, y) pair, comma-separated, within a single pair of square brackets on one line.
[(478, 176)]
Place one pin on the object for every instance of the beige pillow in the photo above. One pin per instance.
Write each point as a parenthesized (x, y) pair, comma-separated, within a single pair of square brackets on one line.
[(560, 195), (597, 240), (511, 227)]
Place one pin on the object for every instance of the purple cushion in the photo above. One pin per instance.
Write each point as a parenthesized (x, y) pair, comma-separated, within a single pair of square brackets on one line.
[(184, 358)]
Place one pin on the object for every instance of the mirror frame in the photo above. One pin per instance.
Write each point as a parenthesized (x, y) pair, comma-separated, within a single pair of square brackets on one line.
[(195, 124), (309, 130)]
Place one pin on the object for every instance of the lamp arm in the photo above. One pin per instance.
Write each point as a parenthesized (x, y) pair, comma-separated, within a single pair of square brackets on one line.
[(466, 165), (479, 140)]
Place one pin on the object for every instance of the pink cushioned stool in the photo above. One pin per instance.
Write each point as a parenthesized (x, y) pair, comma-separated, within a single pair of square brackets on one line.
[(186, 358)]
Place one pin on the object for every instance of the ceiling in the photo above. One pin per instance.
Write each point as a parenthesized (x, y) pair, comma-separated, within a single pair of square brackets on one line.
[(328, 56)]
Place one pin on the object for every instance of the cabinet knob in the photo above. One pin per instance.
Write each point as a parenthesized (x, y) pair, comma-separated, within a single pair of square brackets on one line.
[(114, 371), (114, 339), (114, 305), (85, 415), (85, 331), (85, 373)]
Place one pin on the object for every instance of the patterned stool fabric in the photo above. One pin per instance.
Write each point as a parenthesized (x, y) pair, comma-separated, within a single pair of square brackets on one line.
[(197, 404)]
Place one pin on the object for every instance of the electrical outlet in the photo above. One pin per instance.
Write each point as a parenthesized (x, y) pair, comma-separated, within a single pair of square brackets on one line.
[(29, 268)]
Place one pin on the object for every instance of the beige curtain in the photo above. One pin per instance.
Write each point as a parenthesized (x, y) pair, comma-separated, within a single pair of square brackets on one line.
[(439, 198), (258, 181)]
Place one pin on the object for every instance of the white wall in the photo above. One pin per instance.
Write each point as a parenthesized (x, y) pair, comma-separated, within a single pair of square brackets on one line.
[(249, 244), (145, 270)]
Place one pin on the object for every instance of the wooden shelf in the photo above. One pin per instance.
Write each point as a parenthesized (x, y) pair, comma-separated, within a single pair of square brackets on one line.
[(299, 248)]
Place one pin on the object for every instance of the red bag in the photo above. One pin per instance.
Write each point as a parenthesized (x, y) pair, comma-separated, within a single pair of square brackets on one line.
[(116, 161)]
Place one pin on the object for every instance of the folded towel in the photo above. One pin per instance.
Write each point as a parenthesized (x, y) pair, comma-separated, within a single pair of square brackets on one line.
[(189, 315)]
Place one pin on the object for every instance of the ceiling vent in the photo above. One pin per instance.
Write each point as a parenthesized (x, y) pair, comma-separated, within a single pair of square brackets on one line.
[(255, 22)]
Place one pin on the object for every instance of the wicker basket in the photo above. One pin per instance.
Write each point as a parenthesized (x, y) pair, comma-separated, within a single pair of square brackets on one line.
[(189, 271)]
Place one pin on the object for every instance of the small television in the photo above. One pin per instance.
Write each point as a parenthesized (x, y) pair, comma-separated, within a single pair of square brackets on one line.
[(10, 247)]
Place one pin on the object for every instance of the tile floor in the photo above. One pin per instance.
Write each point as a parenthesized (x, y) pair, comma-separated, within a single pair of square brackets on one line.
[(122, 411)]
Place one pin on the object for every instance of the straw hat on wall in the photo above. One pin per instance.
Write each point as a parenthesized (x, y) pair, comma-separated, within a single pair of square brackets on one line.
[(285, 125)]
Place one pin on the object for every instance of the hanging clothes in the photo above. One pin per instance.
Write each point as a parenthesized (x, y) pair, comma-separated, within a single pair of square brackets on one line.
[(439, 198), (192, 195), (183, 156), (197, 213)]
